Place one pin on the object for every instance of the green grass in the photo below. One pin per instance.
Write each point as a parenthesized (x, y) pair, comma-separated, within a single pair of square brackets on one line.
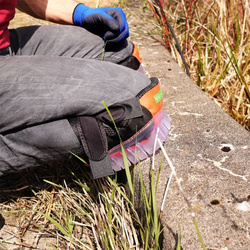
[(89, 214)]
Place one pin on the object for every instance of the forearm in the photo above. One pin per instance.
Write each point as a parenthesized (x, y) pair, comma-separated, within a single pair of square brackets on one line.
[(58, 11)]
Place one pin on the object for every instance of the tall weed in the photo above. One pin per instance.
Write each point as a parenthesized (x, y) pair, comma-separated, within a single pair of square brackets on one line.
[(214, 37)]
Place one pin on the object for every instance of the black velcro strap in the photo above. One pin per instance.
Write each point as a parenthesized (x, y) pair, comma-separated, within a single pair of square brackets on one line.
[(95, 144), (101, 168), (134, 108), (131, 62), (126, 110)]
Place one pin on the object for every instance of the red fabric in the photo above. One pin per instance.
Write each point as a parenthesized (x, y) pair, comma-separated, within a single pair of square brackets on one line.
[(7, 12)]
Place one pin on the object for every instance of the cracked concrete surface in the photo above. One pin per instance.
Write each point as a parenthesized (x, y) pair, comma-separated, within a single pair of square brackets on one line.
[(210, 153)]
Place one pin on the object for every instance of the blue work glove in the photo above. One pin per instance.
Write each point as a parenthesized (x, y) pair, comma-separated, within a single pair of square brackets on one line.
[(109, 23)]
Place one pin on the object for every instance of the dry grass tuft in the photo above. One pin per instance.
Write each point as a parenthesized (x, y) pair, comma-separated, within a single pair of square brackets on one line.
[(74, 213), (214, 37)]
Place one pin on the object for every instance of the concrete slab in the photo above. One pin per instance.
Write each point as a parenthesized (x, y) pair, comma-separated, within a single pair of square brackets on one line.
[(211, 154)]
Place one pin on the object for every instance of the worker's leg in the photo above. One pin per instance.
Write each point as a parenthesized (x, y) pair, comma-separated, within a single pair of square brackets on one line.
[(37, 145), (38, 89), (69, 41), (39, 94)]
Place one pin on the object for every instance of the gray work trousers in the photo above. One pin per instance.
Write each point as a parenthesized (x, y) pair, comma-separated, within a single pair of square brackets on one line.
[(52, 74)]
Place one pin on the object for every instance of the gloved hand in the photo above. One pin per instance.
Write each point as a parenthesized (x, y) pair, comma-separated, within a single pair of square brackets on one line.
[(109, 23)]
